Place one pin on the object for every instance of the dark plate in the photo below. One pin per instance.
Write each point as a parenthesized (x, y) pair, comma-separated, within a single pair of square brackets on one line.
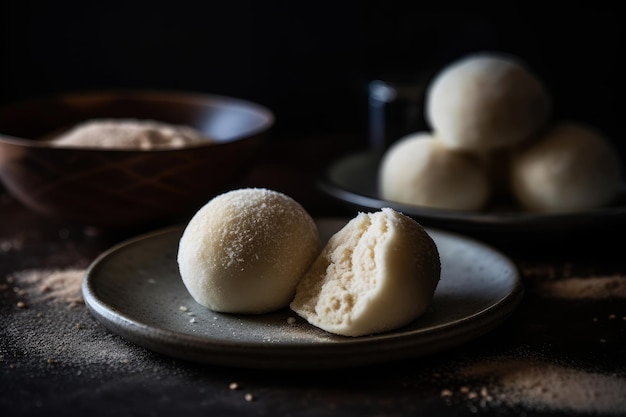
[(353, 181), (135, 290)]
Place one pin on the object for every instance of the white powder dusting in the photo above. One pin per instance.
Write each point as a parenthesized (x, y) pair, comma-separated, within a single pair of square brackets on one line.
[(54, 325), (129, 134), (60, 286), (537, 385), (602, 287)]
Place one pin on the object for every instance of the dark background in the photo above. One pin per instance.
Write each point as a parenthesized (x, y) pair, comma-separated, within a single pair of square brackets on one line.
[(310, 62)]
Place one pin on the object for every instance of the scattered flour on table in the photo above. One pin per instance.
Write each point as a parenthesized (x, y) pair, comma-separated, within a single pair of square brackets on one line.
[(51, 322), (537, 385), (552, 282), (55, 327), (60, 286), (602, 287), (534, 383)]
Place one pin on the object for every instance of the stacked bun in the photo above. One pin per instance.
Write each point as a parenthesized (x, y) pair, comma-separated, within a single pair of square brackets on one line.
[(572, 167), (491, 118), (419, 169)]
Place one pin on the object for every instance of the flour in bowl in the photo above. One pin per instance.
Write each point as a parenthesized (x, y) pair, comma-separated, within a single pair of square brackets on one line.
[(129, 134)]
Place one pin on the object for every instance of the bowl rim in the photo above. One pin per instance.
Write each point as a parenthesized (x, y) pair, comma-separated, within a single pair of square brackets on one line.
[(266, 114)]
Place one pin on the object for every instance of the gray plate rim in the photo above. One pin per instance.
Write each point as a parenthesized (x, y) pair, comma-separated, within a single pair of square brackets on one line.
[(337, 352), (352, 180)]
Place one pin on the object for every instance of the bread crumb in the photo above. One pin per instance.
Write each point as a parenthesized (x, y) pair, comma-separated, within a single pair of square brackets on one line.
[(249, 397), (233, 386), (21, 304)]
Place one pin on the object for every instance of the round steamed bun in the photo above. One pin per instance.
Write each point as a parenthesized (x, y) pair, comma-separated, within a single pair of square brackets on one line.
[(420, 170), (378, 273), (486, 101), (570, 168), (245, 250)]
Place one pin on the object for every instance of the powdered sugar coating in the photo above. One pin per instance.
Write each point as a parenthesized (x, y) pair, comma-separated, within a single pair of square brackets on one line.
[(245, 250)]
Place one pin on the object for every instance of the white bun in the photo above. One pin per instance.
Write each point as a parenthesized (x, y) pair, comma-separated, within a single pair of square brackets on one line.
[(570, 168), (418, 169), (486, 101), (245, 250), (378, 273)]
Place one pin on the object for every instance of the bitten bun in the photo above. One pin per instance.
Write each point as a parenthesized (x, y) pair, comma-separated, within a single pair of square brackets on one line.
[(378, 273)]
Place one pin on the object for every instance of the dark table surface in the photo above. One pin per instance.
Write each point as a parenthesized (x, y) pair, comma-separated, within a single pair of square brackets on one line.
[(562, 351)]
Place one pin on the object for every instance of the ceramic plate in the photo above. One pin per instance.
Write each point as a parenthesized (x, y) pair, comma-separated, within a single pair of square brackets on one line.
[(353, 181), (135, 290)]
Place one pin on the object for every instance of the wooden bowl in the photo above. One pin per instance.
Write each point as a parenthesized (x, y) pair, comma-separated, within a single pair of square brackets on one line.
[(127, 188)]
